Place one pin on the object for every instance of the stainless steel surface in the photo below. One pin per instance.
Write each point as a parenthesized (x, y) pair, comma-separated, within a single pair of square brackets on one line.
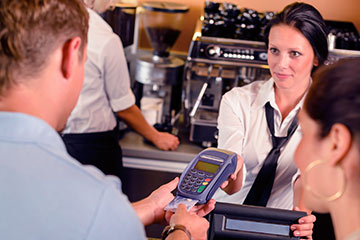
[(160, 75), (337, 54), (198, 100), (203, 128), (160, 78), (141, 155), (156, 70)]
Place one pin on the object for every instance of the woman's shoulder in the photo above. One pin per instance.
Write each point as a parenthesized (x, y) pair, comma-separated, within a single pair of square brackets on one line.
[(249, 91)]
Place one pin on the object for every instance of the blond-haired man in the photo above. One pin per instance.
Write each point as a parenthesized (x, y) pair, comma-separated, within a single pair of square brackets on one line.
[(45, 193)]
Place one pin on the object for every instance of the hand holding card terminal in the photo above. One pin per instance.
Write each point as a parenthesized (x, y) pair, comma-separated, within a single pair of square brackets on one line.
[(203, 176)]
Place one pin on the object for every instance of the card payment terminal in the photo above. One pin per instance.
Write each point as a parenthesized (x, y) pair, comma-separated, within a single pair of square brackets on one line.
[(204, 175)]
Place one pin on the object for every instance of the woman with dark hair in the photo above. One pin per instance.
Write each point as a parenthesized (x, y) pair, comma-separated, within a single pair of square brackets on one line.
[(259, 121), (328, 154), (309, 22)]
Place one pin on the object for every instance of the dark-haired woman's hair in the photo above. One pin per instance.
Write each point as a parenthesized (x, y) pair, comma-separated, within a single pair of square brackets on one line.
[(334, 96), (309, 22)]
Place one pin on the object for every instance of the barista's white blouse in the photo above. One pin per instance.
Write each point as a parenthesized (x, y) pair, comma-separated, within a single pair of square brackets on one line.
[(243, 129)]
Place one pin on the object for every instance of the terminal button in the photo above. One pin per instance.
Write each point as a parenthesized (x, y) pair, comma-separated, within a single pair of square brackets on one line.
[(200, 189)]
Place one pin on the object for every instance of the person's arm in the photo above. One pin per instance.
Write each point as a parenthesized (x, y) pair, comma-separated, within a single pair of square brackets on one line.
[(299, 193), (235, 181), (305, 225), (121, 98), (151, 209), (134, 118), (231, 137), (178, 235), (197, 226)]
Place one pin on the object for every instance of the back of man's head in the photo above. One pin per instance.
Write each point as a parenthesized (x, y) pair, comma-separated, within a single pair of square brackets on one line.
[(30, 30)]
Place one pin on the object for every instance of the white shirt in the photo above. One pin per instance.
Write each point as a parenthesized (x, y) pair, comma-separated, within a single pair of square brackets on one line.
[(243, 129), (106, 87)]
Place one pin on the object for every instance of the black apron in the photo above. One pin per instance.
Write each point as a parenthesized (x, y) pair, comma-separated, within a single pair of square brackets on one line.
[(100, 149)]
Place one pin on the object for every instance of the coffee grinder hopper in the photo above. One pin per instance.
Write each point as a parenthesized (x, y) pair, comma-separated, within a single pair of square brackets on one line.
[(160, 75), (163, 22)]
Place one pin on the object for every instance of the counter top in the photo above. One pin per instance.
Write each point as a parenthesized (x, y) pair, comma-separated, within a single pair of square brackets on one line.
[(136, 151)]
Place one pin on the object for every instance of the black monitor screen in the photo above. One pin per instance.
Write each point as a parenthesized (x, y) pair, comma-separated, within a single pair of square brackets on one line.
[(258, 227)]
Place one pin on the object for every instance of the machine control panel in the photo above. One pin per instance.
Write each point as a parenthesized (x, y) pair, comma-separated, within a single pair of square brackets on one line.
[(229, 53), (234, 51)]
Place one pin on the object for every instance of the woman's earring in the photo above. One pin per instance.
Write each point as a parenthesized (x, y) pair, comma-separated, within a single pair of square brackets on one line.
[(317, 193)]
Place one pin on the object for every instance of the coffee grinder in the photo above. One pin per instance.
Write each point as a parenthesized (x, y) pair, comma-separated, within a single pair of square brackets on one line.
[(159, 76)]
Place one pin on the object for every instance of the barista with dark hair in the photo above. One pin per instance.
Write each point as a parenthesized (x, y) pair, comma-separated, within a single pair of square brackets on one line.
[(258, 121), (45, 193)]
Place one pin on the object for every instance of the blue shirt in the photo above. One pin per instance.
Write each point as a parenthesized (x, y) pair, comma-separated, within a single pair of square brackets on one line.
[(45, 194)]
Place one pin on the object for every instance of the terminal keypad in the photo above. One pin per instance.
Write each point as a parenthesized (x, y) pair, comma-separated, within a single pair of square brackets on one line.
[(195, 181)]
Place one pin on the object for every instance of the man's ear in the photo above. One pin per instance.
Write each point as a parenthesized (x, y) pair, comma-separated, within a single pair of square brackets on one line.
[(341, 141), (70, 56)]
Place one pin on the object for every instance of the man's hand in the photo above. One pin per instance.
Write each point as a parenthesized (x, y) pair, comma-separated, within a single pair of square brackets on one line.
[(151, 209), (196, 225), (200, 210)]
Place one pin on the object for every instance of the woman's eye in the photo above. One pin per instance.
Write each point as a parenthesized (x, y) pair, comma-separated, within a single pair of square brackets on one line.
[(274, 50), (295, 54)]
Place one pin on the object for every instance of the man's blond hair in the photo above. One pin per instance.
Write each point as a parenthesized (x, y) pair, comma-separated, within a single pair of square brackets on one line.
[(30, 30)]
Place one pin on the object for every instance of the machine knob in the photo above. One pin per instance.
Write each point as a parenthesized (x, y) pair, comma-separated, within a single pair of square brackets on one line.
[(214, 51), (263, 56)]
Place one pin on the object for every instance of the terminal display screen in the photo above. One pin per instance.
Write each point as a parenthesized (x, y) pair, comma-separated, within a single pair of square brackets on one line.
[(257, 227), (206, 167)]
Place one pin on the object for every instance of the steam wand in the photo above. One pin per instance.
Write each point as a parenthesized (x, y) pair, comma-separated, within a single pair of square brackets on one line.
[(202, 92)]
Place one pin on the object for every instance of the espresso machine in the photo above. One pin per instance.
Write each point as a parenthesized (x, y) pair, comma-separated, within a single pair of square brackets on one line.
[(226, 51), (343, 39), (159, 76)]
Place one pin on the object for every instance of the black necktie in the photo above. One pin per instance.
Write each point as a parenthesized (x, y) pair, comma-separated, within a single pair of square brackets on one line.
[(260, 191)]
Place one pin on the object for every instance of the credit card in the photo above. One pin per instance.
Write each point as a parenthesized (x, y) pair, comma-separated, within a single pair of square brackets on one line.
[(189, 203)]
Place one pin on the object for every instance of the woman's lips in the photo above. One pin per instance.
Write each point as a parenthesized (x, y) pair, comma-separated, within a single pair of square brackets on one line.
[(282, 76)]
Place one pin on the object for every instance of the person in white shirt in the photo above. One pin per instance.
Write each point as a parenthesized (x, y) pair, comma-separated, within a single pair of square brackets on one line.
[(91, 135), (45, 193), (296, 40)]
